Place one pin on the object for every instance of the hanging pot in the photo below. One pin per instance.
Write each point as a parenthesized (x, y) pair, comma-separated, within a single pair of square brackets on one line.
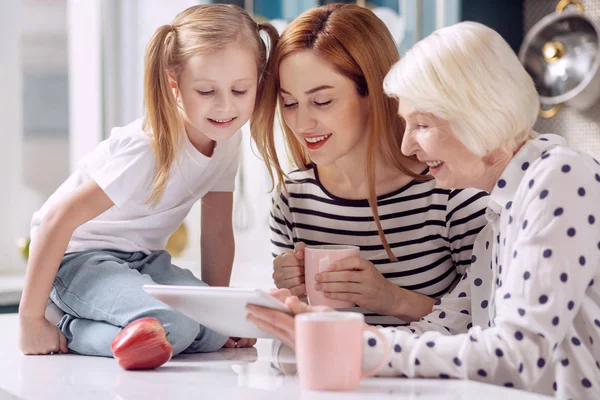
[(562, 56)]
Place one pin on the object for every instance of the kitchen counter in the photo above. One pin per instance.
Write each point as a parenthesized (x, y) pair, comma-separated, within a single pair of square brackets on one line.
[(247, 374), (11, 287)]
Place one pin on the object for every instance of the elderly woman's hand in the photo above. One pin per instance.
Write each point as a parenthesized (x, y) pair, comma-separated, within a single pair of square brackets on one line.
[(278, 323)]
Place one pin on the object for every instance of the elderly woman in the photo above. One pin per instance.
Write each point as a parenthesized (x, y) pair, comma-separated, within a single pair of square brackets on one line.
[(527, 312)]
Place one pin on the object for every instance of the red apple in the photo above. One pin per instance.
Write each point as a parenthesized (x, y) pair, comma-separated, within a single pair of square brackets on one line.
[(142, 344)]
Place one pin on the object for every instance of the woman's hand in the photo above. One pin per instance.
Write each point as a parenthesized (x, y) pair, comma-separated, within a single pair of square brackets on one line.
[(288, 270), (358, 281), (40, 336), (278, 323)]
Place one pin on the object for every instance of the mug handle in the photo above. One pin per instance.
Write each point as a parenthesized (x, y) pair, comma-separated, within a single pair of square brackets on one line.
[(386, 352)]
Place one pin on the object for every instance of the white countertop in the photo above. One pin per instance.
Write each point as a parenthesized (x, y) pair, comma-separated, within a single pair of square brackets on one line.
[(230, 373), (11, 286)]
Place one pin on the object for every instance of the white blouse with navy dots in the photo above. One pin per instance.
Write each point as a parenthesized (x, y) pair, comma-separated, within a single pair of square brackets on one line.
[(527, 312)]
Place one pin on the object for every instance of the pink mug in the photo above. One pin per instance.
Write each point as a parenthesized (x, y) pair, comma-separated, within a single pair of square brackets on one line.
[(318, 259), (329, 350)]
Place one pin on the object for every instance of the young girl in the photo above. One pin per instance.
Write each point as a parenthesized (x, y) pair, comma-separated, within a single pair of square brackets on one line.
[(101, 236), (353, 185)]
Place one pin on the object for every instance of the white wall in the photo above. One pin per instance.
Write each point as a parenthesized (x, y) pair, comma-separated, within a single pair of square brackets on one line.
[(45, 100), (11, 214), (138, 21), (85, 77), (33, 109)]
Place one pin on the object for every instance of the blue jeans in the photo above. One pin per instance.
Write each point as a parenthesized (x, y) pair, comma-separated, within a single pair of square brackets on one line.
[(101, 292)]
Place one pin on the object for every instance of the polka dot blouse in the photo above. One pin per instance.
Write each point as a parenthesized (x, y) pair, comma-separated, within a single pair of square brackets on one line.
[(526, 313)]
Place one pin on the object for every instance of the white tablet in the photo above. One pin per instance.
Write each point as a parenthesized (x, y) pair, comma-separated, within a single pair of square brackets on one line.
[(221, 309)]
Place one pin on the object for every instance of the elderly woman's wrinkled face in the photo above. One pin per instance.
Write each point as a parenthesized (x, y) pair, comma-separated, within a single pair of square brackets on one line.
[(430, 139)]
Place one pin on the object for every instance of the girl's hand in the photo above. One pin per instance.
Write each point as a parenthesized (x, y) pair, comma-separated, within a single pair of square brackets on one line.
[(278, 323), (281, 294), (288, 270), (358, 281), (40, 336), (238, 343)]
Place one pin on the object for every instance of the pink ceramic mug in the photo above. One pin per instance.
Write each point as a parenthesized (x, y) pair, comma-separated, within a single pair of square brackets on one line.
[(329, 350), (318, 259)]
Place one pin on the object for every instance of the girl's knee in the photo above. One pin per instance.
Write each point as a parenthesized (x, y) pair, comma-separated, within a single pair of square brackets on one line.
[(181, 330)]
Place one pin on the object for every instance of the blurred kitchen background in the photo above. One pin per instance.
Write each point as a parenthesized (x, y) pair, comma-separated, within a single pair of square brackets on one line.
[(72, 69)]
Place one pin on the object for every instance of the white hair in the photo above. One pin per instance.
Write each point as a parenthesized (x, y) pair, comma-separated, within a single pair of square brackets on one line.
[(467, 74)]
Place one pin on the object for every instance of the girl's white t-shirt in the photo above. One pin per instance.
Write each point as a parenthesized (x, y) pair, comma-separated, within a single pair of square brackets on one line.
[(124, 166)]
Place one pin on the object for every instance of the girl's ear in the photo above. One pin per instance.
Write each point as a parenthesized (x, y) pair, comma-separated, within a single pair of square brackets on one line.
[(172, 80), (173, 84)]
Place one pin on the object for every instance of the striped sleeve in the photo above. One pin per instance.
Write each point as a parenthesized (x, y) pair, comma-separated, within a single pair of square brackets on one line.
[(280, 225), (465, 217)]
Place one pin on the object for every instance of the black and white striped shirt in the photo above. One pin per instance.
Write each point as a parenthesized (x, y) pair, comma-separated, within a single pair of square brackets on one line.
[(430, 230)]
